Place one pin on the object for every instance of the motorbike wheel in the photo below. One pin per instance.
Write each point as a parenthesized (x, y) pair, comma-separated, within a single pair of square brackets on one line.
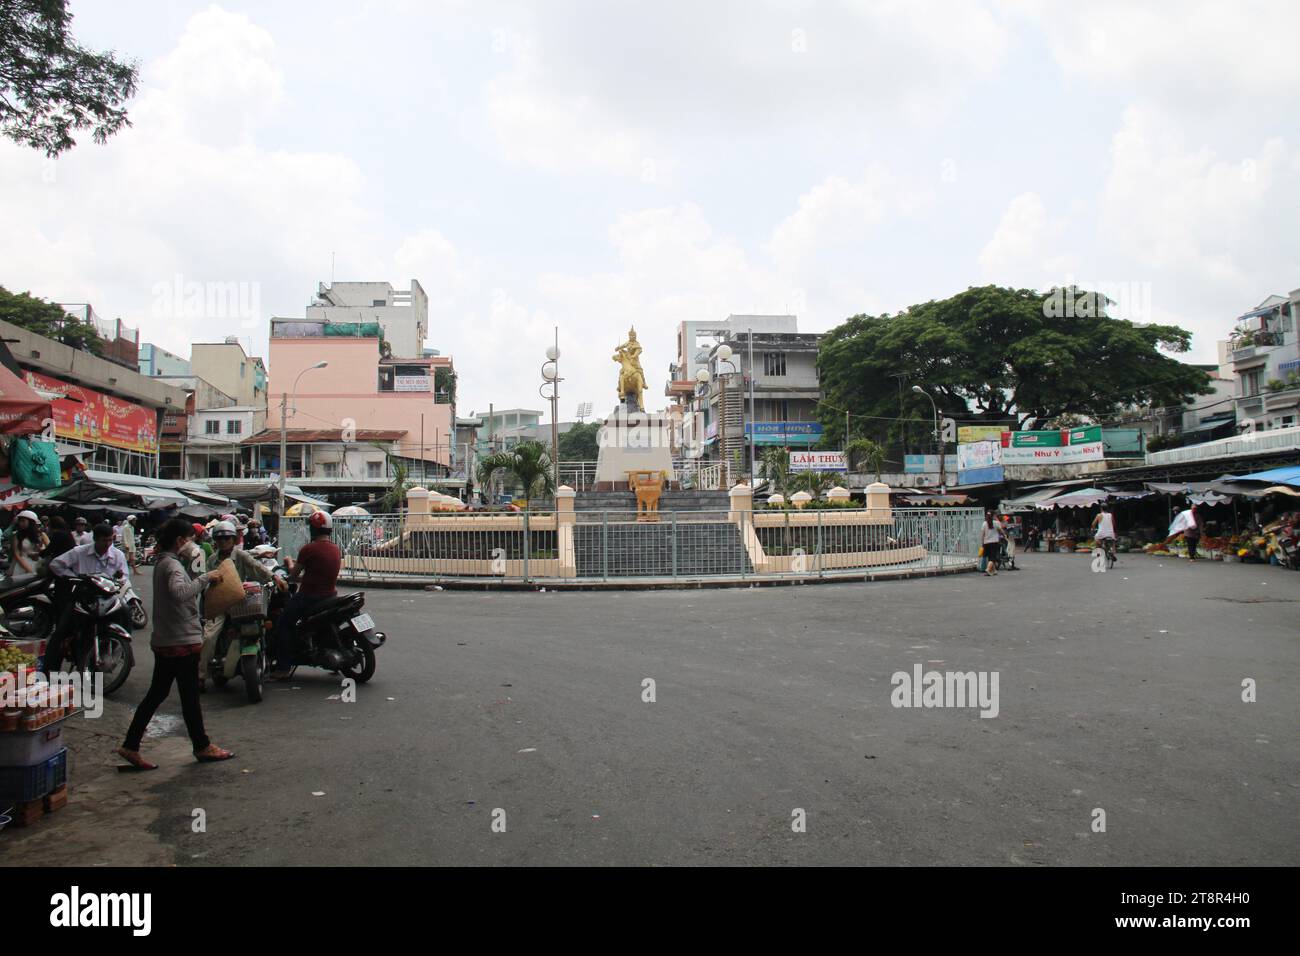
[(252, 668), (139, 617), (364, 669), (118, 654)]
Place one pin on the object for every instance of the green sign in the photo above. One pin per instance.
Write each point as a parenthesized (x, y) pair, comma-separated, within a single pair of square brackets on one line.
[(1047, 439), (1081, 436)]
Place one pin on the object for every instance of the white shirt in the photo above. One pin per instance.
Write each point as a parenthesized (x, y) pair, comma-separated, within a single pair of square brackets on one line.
[(83, 537), (1183, 522), (1107, 527), (83, 560), (992, 533)]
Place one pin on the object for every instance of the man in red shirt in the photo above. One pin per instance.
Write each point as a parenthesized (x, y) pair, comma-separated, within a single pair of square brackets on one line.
[(317, 570)]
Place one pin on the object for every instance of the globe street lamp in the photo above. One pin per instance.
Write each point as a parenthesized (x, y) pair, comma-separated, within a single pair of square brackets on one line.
[(284, 427), (943, 473), (723, 355), (551, 377)]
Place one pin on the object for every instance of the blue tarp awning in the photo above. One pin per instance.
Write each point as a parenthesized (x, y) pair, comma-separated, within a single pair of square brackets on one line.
[(1289, 475)]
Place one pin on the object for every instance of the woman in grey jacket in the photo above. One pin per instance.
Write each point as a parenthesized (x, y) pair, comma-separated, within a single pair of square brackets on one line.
[(177, 642)]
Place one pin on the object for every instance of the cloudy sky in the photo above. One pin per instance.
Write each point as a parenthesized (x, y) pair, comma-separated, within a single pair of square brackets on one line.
[(595, 165)]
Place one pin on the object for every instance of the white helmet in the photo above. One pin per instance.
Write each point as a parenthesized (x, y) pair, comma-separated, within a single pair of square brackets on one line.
[(224, 527), (30, 516), (321, 520)]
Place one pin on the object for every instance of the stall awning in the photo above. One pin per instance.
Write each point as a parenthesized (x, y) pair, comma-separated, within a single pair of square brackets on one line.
[(1289, 475)]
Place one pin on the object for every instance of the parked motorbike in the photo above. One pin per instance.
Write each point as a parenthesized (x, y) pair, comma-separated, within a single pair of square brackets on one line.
[(136, 613), (28, 608), (241, 647), (100, 639), (336, 636)]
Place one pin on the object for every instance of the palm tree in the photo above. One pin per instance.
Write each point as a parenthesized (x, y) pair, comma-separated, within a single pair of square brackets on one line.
[(864, 451), (528, 463)]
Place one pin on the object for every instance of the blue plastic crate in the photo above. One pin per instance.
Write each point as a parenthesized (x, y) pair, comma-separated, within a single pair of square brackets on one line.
[(20, 784)]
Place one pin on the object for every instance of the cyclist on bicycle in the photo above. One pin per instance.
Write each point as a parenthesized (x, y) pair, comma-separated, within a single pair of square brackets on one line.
[(1103, 527)]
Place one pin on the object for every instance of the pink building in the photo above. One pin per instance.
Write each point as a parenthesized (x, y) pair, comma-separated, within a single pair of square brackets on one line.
[(359, 392)]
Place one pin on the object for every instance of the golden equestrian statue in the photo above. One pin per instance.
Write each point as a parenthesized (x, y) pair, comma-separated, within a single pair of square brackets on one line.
[(631, 378)]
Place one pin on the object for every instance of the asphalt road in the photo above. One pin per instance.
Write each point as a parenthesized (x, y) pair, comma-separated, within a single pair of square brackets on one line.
[(1119, 691)]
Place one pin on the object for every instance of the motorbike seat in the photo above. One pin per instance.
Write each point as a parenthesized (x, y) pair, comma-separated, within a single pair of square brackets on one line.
[(331, 606), (22, 584)]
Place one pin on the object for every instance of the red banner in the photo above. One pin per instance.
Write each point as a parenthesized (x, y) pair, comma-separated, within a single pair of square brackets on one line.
[(85, 415)]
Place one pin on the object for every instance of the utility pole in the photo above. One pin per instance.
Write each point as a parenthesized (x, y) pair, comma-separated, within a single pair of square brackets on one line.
[(284, 444), (753, 423)]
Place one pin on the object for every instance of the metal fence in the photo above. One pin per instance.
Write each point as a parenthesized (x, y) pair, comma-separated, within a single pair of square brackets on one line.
[(680, 545)]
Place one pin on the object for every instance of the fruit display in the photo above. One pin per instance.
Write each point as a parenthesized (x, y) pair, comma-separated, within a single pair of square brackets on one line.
[(15, 659)]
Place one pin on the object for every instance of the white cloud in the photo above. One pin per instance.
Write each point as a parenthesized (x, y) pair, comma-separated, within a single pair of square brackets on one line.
[(1024, 251)]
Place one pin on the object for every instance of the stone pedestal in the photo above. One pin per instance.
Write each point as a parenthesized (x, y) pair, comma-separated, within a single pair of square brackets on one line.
[(632, 441)]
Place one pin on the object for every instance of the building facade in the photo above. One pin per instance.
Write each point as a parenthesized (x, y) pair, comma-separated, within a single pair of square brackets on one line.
[(1262, 354), (232, 370), (403, 315), (155, 361)]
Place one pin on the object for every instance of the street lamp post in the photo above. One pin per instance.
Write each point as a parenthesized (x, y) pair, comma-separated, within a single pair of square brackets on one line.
[(284, 428), (723, 354), (943, 472), (551, 377)]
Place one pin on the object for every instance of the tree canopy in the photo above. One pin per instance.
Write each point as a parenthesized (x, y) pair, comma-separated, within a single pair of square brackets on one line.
[(579, 442), (48, 319), (51, 86), (1001, 355)]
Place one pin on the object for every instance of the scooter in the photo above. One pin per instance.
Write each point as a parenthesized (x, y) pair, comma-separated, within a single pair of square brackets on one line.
[(99, 640), (136, 613), (337, 636), (29, 608), (241, 647)]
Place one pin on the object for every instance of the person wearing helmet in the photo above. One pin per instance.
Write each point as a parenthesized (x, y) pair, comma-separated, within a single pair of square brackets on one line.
[(249, 570), (254, 534), (201, 539), (26, 545), (317, 571)]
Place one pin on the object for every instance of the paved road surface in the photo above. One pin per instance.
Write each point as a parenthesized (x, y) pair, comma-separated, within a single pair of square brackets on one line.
[(1119, 691)]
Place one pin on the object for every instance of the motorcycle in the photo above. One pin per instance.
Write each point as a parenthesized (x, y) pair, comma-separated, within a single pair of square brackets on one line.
[(136, 613), (337, 636), (241, 647), (29, 609), (100, 640)]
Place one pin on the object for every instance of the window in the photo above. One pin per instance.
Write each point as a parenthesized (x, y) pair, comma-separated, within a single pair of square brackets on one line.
[(378, 303), (1250, 383), (212, 427), (241, 369), (373, 469), (774, 363), (234, 426), (329, 469)]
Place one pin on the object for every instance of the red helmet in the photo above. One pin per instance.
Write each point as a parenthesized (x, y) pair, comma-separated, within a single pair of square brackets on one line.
[(198, 530), (321, 520)]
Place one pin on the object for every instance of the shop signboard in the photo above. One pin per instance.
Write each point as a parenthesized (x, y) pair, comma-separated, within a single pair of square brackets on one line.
[(928, 464), (1123, 442), (1054, 455), (86, 416), (784, 433), (969, 434), (1034, 439), (411, 383), (980, 476), (818, 461), (980, 454)]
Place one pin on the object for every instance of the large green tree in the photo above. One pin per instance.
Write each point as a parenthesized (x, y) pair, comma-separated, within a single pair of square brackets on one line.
[(51, 86), (1002, 355), (528, 465), (48, 319), (579, 443)]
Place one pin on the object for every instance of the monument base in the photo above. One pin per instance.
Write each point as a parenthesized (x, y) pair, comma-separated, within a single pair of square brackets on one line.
[(632, 441)]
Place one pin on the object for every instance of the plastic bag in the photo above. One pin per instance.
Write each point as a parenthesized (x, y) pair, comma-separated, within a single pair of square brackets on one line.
[(35, 464)]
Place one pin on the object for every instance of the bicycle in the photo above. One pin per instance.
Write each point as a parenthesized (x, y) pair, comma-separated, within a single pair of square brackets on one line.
[(1107, 546)]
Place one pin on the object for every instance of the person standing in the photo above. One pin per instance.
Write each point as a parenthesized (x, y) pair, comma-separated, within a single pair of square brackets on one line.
[(128, 542), (1187, 523), (992, 541), (81, 532), (177, 642), (26, 545)]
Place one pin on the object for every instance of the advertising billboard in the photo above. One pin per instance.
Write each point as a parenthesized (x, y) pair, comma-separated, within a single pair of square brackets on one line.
[(969, 434), (85, 415), (928, 464), (784, 433), (980, 454)]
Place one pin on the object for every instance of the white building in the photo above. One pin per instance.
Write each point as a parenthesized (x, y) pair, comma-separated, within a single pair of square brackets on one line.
[(403, 315), (214, 447), (1263, 356)]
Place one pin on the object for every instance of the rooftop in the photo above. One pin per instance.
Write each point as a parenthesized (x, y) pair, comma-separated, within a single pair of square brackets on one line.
[(300, 435)]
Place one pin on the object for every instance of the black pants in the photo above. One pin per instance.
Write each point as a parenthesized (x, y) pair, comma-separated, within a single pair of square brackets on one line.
[(185, 671), (283, 638), (54, 647), (991, 552), (1192, 541)]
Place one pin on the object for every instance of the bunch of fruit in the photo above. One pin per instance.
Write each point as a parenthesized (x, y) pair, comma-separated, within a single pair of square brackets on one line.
[(13, 659)]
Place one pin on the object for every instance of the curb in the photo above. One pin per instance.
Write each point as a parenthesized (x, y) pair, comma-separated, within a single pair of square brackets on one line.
[(651, 584)]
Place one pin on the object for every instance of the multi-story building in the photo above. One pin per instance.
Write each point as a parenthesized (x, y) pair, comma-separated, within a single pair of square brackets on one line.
[(1263, 355), (766, 394), (106, 413), (232, 370), (156, 361), (502, 429), (365, 411), (402, 315)]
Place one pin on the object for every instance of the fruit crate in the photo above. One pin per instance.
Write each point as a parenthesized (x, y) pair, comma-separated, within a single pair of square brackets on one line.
[(21, 784)]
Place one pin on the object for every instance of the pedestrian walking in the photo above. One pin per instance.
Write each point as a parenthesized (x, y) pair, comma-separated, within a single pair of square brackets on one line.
[(1188, 524), (993, 532), (177, 643)]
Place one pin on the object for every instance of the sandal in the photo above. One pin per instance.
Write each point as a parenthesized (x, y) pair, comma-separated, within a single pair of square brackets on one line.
[(212, 753), (133, 758)]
